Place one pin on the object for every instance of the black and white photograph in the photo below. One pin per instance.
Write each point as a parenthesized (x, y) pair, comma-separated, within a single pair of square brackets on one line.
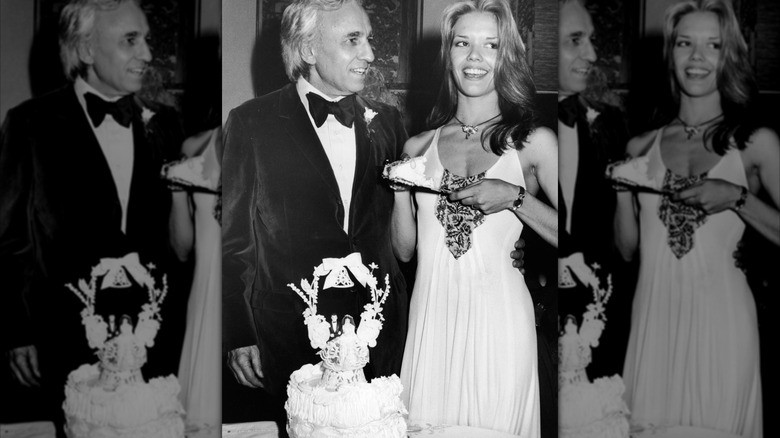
[(392, 169), (346, 218)]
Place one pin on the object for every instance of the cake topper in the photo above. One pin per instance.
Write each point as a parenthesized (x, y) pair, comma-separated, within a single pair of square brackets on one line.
[(575, 343), (122, 350), (344, 349)]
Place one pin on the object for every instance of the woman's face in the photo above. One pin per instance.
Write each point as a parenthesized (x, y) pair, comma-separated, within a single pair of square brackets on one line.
[(696, 53), (473, 53)]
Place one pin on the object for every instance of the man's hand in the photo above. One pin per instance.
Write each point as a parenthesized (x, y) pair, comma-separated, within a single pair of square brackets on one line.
[(24, 365), (244, 362), (518, 254)]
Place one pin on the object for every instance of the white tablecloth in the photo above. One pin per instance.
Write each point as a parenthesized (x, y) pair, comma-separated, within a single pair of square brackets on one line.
[(36, 429), (265, 429), (681, 432), (45, 429)]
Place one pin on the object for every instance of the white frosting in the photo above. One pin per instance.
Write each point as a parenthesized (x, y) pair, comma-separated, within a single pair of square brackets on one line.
[(410, 172), (131, 410), (354, 410)]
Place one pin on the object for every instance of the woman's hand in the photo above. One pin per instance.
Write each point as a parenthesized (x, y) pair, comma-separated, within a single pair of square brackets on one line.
[(710, 195), (488, 195)]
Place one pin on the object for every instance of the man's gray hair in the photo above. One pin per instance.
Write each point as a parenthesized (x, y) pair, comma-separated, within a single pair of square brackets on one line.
[(77, 23), (299, 28)]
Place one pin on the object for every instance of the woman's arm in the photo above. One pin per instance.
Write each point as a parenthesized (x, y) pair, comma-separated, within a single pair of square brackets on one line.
[(181, 229), (403, 223), (542, 147), (539, 157), (625, 223), (761, 158)]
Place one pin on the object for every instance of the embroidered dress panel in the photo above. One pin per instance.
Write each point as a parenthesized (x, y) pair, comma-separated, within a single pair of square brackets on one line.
[(681, 220), (457, 219)]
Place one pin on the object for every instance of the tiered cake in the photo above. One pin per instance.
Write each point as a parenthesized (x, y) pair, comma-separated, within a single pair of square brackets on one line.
[(332, 398), (110, 399), (587, 409)]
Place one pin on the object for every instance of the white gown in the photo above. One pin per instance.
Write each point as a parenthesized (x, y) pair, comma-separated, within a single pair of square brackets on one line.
[(200, 366), (693, 353), (470, 356)]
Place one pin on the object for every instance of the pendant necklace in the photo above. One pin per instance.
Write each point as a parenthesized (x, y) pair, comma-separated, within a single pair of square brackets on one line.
[(694, 130), (473, 129)]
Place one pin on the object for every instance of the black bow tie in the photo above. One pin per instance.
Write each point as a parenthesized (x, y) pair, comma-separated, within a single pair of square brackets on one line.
[(121, 110), (343, 110), (570, 109)]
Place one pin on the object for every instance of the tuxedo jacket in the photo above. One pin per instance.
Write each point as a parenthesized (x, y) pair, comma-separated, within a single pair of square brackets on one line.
[(283, 214), (60, 214)]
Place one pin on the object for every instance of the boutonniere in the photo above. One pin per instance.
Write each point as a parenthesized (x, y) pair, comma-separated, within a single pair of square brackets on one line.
[(146, 116), (368, 116), (591, 115)]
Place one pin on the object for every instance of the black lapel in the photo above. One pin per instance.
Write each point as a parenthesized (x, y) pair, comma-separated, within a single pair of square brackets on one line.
[(298, 126), (143, 162), (365, 147)]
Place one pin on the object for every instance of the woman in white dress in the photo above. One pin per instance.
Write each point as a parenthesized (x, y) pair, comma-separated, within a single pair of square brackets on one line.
[(470, 357), (693, 354), (194, 224)]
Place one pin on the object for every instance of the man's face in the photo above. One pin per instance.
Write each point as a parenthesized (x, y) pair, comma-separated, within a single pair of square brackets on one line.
[(473, 53), (117, 53), (697, 53), (340, 57), (576, 54)]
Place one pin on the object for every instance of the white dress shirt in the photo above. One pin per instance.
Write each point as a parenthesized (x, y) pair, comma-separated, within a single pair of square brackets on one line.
[(568, 156), (116, 141), (339, 144)]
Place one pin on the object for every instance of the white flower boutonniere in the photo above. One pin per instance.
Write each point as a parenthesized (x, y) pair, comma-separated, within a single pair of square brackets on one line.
[(147, 115), (369, 115), (591, 115)]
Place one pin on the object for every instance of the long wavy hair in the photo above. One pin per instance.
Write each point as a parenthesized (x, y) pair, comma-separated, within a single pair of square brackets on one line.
[(736, 83), (512, 77), (299, 28)]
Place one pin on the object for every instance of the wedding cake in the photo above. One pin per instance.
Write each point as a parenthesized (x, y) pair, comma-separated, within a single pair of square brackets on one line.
[(110, 398), (333, 398), (409, 172), (587, 409)]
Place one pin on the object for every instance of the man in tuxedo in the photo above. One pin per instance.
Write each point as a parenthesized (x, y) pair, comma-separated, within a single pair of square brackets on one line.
[(591, 134), (302, 183), (80, 177)]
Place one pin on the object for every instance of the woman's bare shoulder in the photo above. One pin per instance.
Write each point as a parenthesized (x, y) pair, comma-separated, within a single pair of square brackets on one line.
[(417, 145), (640, 144)]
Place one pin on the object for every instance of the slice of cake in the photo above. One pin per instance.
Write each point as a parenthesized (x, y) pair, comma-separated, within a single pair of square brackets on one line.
[(333, 398), (409, 172), (632, 173), (111, 398)]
